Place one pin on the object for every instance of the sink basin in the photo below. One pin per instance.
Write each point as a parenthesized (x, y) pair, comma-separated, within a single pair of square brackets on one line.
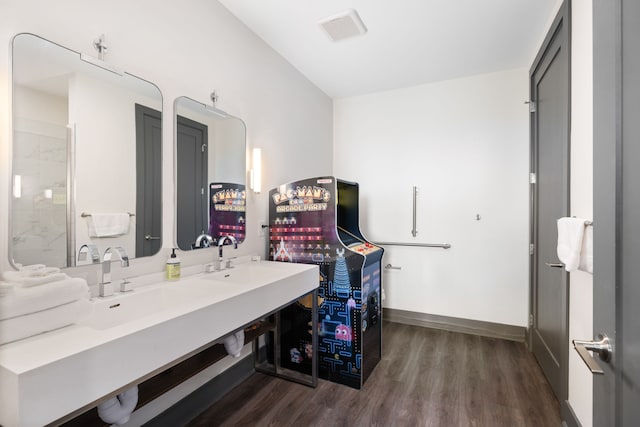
[(251, 273), (126, 307), (140, 303)]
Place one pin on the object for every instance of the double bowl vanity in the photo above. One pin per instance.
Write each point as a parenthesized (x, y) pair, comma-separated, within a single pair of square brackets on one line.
[(62, 140), (132, 336)]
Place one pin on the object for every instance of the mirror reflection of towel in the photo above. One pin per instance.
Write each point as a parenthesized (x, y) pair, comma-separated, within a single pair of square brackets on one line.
[(108, 224)]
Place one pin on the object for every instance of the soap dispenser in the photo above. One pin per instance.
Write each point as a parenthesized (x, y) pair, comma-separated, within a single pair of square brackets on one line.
[(173, 266)]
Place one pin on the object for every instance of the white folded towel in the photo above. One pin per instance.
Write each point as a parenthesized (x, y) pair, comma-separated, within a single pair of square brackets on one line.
[(36, 323), (39, 272), (33, 267), (108, 224), (26, 279), (27, 300), (570, 233), (6, 289), (586, 253)]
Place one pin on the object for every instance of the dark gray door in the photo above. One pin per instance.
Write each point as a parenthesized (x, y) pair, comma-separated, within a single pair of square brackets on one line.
[(550, 160), (148, 181), (616, 294), (192, 187)]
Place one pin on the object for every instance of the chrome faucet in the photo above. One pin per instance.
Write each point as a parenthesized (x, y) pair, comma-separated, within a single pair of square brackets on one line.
[(106, 288), (223, 239), (208, 241), (90, 250)]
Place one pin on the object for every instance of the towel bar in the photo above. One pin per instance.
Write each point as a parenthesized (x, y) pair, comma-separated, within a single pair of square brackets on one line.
[(84, 214)]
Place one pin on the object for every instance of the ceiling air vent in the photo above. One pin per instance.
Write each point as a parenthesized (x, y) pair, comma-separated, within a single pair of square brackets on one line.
[(343, 25)]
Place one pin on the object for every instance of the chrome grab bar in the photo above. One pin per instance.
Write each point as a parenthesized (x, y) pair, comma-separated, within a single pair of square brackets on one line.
[(420, 245), (414, 231)]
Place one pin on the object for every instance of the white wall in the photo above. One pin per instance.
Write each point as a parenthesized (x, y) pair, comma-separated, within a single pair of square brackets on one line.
[(581, 283), (465, 144), (186, 48)]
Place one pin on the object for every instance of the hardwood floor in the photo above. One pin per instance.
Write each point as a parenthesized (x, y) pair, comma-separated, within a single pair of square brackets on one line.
[(426, 377)]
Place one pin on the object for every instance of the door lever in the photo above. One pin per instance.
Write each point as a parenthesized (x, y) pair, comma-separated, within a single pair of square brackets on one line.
[(556, 265), (602, 348)]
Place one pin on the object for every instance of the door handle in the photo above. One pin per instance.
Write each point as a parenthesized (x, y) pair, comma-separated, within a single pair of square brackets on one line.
[(150, 237), (555, 265), (602, 348), (392, 267)]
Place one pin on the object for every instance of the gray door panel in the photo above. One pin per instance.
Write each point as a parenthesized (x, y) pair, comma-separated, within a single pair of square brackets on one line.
[(192, 188), (617, 208), (550, 132), (148, 181)]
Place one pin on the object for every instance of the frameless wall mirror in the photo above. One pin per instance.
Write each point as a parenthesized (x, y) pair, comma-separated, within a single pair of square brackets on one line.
[(86, 157), (210, 174)]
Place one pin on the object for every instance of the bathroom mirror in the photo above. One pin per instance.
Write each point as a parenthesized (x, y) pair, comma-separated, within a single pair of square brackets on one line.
[(210, 174), (86, 157)]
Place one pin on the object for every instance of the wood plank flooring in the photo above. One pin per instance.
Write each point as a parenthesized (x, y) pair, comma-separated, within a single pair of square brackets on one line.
[(426, 377)]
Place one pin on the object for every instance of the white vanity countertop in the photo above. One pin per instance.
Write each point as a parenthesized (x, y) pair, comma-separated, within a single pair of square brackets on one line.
[(47, 376)]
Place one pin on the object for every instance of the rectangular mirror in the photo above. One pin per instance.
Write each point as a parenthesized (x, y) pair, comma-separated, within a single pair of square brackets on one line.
[(86, 157), (210, 174)]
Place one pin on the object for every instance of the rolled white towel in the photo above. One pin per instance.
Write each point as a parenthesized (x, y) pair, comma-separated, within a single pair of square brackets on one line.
[(118, 409), (27, 300), (234, 343), (19, 278), (36, 323)]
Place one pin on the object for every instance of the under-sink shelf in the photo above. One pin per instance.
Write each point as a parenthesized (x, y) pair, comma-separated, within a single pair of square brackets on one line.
[(166, 380)]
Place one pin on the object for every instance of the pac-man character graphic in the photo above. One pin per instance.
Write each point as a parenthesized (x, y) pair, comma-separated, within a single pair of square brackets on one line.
[(296, 357), (343, 332)]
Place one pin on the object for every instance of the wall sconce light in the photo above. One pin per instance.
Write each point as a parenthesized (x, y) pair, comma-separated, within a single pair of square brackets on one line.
[(17, 186), (255, 179)]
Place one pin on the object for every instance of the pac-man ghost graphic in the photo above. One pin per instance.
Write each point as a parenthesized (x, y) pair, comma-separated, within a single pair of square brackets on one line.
[(343, 332)]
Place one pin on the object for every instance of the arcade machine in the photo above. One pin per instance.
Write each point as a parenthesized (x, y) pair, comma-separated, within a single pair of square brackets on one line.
[(316, 221), (227, 207)]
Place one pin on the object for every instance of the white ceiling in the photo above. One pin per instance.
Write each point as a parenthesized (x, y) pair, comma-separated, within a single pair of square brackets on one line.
[(409, 42)]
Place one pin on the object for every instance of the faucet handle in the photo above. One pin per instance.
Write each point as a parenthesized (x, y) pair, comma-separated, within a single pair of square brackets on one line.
[(125, 286), (105, 289), (229, 262)]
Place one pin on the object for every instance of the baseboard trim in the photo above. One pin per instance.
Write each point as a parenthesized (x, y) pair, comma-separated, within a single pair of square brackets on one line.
[(569, 418), (197, 402), (454, 324)]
